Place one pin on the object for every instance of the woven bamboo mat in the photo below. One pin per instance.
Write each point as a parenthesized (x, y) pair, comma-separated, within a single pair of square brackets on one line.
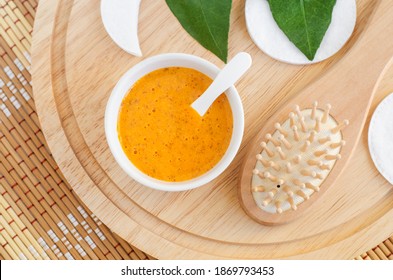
[(40, 216)]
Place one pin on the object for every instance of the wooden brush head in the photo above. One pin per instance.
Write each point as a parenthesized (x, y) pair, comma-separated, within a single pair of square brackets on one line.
[(291, 163)]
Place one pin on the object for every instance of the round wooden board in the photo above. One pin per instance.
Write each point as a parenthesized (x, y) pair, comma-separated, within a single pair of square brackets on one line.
[(76, 65)]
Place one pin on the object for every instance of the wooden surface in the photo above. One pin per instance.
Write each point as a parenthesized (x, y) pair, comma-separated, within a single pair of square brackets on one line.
[(349, 88), (75, 68), (41, 217)]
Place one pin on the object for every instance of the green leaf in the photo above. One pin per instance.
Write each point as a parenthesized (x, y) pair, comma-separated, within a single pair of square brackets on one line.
[(305, 22), (207, 21)]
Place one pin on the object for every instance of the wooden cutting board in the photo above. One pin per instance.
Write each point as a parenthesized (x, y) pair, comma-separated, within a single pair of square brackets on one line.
[(75, 67)]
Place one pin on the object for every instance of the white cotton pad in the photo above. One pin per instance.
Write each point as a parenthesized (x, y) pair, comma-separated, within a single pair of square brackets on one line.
[(380, 138), (266, 34), (120, 18)]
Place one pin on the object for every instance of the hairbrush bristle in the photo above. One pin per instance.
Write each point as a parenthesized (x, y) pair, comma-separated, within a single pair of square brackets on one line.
[(296, 158)]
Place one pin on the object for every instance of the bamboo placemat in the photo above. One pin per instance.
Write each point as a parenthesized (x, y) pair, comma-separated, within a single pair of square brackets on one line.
[(40, 216)]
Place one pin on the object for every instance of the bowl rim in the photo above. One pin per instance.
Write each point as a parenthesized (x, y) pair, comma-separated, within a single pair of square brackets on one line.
[(122, 87)]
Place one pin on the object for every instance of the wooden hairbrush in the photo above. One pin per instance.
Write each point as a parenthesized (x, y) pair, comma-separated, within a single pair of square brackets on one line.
[(302, 149)]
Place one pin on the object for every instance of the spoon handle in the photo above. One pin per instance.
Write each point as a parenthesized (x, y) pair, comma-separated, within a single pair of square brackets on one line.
[(224, 80)]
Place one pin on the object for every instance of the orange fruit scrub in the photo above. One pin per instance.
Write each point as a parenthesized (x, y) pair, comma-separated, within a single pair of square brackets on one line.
[(163, 136)]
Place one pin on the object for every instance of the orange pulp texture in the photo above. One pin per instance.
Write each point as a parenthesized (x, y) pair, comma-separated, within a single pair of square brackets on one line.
[(163, 136)]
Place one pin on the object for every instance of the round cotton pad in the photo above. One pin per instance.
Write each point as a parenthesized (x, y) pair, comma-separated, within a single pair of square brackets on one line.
[(266, 34), (120, 19), (380, 138)]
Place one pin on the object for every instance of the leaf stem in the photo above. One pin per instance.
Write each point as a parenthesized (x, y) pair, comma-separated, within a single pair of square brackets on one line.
[(306, 29)]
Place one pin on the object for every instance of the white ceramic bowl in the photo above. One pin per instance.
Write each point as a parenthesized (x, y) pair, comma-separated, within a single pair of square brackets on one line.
[(122, 88)]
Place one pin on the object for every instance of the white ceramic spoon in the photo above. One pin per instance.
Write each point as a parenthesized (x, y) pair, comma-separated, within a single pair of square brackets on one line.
[(120, 18), (224, 80)]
